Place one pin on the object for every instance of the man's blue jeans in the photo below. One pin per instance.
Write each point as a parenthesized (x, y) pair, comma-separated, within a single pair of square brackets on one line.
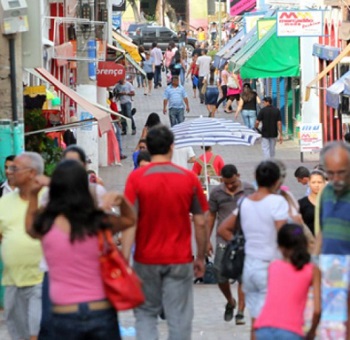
[(126, 111), (158, 75), (176, 115), (86, 324)]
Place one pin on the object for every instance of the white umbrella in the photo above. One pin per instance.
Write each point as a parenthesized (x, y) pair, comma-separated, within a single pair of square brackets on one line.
[(211, 131)]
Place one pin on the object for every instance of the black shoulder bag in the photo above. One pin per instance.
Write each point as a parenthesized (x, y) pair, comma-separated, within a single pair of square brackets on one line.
[(233, 259)]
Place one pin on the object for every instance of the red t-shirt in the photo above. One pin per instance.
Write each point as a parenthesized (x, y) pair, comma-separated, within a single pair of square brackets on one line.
[(218, 163), (164, 195)]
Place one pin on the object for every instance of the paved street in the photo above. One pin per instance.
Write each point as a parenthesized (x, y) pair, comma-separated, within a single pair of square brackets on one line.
[(209, 303)]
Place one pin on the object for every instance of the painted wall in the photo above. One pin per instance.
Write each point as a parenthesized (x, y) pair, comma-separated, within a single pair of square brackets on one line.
[(198, 13)]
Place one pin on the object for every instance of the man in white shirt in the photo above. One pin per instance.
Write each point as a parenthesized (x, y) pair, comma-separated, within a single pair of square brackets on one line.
[(7, 186), (157, 55), (203, 65), (183, 156)]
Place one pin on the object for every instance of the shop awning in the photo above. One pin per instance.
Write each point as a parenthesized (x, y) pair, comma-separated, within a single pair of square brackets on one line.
[(128, 46), (103, 119), (269, 57), (330, 67), (325, 52), (342, 85)]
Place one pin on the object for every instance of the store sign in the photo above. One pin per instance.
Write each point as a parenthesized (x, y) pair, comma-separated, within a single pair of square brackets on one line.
[(109, 73), (250, 21), (238, 7), (299, 23), (311, 137), (116, 20)]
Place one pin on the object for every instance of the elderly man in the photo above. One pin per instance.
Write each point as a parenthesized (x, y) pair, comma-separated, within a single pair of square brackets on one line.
[(20, 253), (334, 204), (176, 96)]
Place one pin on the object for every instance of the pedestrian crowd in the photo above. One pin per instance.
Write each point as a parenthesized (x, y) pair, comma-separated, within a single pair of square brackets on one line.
[(50, 227)]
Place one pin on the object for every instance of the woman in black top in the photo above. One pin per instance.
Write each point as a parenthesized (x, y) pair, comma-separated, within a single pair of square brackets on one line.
[(307, 204), (247, 104)]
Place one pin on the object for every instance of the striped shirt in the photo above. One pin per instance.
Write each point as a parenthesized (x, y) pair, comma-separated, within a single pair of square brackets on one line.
[(175, 96), (335, 222)]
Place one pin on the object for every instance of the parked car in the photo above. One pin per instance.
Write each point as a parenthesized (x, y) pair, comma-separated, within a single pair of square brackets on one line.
[(146, 35), (133, 28)]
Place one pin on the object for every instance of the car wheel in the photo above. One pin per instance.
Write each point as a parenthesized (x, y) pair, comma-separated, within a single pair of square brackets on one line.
[(189, 50)]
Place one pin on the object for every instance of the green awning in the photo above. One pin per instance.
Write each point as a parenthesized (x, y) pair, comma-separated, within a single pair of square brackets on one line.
[(269, 57)]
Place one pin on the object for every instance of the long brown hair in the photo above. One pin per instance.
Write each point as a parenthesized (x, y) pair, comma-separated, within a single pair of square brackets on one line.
[(248, 94)]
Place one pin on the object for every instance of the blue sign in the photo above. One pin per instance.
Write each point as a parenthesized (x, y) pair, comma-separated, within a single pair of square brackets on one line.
[(116, 20)]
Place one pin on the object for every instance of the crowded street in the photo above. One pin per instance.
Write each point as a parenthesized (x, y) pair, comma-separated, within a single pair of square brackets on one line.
[(209, 303)]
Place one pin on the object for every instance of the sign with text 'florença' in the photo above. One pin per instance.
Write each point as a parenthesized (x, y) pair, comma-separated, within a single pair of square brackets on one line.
[(299, 23), (109, 73)]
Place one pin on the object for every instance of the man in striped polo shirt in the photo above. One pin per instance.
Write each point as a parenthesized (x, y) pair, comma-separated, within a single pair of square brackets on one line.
[(176, 96), (334, 216)]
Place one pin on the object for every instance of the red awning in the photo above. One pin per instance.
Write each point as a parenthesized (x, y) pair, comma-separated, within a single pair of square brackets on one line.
[(103, 119)]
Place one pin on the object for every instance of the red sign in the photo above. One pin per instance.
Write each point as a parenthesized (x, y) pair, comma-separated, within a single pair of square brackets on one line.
[(109, 73)]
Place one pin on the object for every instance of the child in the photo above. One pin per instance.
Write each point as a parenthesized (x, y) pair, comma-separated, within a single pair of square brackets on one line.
[(287, 291)]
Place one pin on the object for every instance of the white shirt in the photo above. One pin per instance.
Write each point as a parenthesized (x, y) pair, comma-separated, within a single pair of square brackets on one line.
[(182, 155), (6, 189), (203, 62), (258, 225), (157, 55)]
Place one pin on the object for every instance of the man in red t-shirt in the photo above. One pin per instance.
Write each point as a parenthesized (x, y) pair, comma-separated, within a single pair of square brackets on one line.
[(215, 160), (165, 195)]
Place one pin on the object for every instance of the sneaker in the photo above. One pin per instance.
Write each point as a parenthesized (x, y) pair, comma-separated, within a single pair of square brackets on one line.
[(133, 132), (123, 133), (123, 156), (229, 309), (239, 318)]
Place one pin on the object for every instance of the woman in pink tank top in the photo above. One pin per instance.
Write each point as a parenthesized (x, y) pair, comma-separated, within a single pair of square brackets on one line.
[(288, 285), (67, 228)]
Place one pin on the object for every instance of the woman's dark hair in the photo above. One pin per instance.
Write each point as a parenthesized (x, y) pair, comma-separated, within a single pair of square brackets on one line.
[(248, 94), (267, 174), (153, 119), (78, 150), (177, 57), (69, 196), (291, 237)]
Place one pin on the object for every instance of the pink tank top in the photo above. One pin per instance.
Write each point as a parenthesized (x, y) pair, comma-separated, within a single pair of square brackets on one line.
[(74, 268), (286, 297)]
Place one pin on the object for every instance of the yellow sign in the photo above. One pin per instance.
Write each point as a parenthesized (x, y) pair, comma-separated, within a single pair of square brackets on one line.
[(264, 25)]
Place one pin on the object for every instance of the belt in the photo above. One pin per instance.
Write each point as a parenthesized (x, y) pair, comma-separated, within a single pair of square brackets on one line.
[(95, 305)]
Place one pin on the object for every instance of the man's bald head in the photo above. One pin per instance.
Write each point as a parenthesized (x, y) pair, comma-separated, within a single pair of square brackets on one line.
[(335, 157)]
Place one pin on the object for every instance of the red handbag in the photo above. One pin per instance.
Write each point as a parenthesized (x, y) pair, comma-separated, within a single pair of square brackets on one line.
[(122, 285)]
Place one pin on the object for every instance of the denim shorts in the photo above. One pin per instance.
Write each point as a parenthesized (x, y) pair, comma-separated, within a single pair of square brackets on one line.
[(86, 324), (255, 284), (270, 333)]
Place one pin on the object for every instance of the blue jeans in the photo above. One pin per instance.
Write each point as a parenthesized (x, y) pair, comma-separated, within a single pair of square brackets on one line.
[(176, 115), (86, 324), (249, 118), (119, 137), (167, 287), (46, 317), (157, 75), (269, 333), (126, 111)]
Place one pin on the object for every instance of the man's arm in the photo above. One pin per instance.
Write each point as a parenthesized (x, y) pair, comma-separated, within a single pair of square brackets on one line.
[(257, 122), (279, 127), (165, 104), (127, 241), (200, 229), (187, 104), (211, 216)]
